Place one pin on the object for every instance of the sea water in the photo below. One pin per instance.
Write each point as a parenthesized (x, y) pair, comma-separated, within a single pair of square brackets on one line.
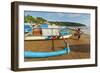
[(84, 29)]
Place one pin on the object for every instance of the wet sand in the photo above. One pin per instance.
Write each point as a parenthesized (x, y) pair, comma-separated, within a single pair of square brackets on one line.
[(80, 49)]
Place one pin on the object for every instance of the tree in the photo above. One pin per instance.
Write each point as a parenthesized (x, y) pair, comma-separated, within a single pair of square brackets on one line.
[(29, 19), (40, 20)]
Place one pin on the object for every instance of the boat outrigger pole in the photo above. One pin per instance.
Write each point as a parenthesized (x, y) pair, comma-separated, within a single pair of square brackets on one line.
[(66, 44)]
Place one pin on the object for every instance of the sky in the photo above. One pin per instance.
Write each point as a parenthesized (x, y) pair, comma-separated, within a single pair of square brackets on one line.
[(83, 18)]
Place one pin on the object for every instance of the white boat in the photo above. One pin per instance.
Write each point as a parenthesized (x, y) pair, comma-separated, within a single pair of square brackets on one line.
[(44, 37)]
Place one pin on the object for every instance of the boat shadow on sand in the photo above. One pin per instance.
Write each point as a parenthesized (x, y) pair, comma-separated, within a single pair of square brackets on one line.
[(80, 48)]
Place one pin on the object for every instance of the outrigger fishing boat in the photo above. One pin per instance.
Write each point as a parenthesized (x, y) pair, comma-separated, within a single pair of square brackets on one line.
[(61, 35)]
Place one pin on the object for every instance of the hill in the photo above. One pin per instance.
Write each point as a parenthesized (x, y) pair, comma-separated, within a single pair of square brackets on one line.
[(41, 20), (67, 23)]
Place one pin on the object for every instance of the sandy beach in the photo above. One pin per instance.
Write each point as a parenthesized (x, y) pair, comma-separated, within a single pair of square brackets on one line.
[(80, 49)]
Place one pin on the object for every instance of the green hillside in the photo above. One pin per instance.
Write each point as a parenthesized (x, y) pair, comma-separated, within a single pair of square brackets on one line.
[(67, 23), (40, 20)]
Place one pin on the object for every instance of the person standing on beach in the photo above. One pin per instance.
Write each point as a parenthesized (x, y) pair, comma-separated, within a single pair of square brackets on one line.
[(78, 33)]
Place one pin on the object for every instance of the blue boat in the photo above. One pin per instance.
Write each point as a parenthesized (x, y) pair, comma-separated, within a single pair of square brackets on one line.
[(65, 31), (44, 26), (30, 54), (27, 27)]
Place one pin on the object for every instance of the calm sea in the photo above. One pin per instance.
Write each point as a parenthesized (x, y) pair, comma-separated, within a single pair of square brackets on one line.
[(84, 29)]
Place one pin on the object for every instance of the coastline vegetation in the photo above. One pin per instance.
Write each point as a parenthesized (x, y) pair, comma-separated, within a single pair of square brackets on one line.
[(40, 20)]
